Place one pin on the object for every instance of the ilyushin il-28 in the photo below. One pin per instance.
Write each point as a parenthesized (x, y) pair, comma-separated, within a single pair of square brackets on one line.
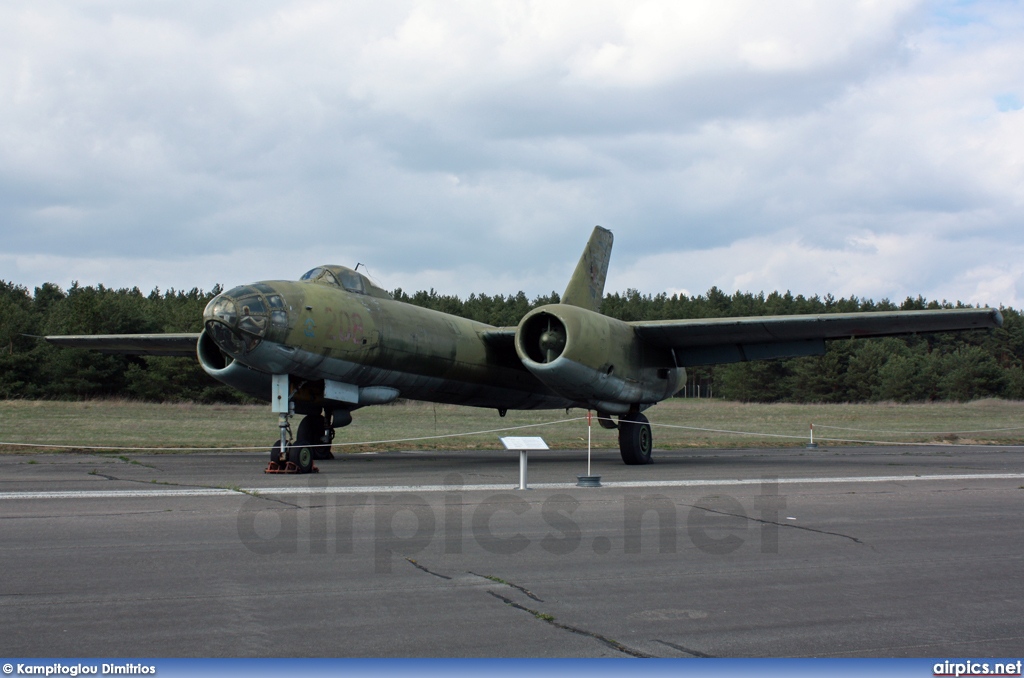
[(332, 342)]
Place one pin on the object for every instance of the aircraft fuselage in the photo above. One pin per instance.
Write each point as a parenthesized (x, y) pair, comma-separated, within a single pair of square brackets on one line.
[(382, 348)]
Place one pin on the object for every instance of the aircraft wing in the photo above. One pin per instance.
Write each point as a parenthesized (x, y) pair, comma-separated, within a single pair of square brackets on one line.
[(132, 344), (500, 337), (710, 341)]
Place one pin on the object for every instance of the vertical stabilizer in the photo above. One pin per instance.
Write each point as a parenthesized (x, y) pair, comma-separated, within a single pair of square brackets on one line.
[(586, 288)]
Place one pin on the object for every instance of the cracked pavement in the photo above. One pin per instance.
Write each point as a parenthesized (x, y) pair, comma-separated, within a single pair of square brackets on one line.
[(848, 567)]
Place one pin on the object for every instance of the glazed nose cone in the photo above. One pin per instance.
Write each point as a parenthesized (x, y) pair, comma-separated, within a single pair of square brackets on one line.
[(237, 320)]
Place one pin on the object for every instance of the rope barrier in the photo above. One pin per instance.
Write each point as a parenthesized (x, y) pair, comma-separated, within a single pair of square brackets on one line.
[(739, 433), (933, 433), (249, 449), (843, 440), (566, 421), (910, 444), (457, 435)]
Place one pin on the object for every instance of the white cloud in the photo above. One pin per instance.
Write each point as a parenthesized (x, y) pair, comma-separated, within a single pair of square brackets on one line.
[(848, 147), (868, 266)]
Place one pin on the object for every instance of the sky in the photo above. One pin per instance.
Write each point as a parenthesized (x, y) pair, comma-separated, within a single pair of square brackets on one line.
[(870, 148)]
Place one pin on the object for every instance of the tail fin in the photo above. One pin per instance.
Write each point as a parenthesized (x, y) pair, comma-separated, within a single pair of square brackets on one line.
[(586, 287)]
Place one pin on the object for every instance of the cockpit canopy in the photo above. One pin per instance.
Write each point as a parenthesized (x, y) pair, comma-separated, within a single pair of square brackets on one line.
[(346, 278)]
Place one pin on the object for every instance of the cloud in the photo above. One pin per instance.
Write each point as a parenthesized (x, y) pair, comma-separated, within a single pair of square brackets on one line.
[(472, 145), (867, 265)]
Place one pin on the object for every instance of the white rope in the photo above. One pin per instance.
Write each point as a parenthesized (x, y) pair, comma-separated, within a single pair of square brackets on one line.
[(457, 435), (237, 449), (931, 444), (129, 449), (565, 421), (867, 442), (933, 433), (739, 433)]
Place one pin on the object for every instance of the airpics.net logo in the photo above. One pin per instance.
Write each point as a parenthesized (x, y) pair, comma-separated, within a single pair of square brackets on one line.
[(966, 669), (397, 526)]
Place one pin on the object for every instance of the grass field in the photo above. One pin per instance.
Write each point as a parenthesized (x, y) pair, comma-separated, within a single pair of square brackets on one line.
[(120, 425)]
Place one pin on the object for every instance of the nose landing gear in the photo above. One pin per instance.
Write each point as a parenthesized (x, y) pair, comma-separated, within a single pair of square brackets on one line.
[(312, 442), (290, 457), (296, 459)]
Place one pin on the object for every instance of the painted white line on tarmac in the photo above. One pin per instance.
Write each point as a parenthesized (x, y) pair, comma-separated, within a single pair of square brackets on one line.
[(501, 487)]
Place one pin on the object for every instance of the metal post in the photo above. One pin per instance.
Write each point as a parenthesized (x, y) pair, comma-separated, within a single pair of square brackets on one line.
[(588, 442), (812, 445), (522, 470)]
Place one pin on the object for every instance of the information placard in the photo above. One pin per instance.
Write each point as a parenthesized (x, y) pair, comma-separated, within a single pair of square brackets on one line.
[(519, 443)]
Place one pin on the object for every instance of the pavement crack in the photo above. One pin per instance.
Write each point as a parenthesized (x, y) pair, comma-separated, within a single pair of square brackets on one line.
[(420, 567), (499, 580), (544, 617), (695, 653), (774, 522), (256, 495), (128, 460)]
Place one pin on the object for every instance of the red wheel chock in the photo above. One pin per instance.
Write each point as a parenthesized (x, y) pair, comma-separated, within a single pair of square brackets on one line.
[(286, 467)]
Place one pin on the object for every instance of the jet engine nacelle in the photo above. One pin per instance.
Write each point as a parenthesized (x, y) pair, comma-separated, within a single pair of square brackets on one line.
[(228, 371), (595, 360)]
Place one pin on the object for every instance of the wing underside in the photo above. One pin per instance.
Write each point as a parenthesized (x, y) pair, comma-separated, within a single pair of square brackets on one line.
[(709, 341), (132, 344)]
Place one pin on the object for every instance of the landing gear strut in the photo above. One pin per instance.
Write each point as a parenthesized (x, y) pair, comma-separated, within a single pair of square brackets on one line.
[(635, 440)]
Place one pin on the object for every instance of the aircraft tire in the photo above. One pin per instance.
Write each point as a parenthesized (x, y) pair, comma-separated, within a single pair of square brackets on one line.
[(635, 440), (311, 431), (275, 453), (302, 457)]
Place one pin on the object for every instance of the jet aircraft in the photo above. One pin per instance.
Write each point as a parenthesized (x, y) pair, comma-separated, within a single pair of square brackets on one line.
[(340, 343)]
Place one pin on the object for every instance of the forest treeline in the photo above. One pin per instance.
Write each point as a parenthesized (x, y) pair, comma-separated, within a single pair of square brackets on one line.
[(955, 366)]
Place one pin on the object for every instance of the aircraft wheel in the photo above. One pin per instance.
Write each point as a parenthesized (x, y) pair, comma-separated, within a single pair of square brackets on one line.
[(275, 453), (311, 432), (301, 456), (635, 440)]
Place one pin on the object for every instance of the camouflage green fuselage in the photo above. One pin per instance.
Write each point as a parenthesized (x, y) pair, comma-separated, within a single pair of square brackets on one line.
[(315, 331)]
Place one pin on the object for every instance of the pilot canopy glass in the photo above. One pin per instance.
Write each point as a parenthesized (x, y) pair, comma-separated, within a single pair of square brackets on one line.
[(339, 276)]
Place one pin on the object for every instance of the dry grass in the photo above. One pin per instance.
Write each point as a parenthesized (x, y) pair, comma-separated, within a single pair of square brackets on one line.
[(117, 424)]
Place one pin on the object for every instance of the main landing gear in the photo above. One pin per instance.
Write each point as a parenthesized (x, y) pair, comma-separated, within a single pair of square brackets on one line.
[(314, 431), (635, 440)]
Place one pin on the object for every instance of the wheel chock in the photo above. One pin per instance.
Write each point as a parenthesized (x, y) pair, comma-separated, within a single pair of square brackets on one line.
[(286, 467)]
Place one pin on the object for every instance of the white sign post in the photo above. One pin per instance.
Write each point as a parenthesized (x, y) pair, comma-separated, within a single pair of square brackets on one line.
[(522, 445)]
